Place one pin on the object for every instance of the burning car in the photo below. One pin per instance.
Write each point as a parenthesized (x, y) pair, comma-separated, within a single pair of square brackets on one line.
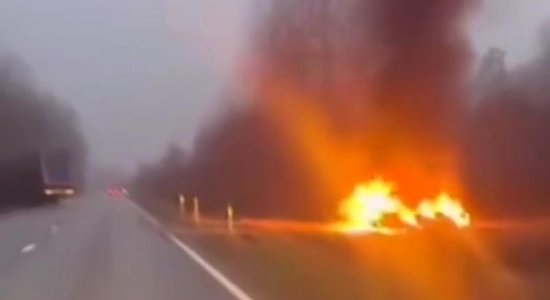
[(373, 207)]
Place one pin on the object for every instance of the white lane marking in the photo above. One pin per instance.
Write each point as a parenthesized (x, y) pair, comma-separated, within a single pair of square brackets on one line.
[(228, 284), (28, 248), (54, 229), (231, 287), (146, 214)]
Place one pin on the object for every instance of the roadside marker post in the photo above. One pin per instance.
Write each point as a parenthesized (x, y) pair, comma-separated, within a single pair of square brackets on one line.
[(230, 217), (182, 204), (196, 213)]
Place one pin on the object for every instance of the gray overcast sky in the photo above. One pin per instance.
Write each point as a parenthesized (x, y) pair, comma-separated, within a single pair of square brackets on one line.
[(512, 25), (143, 73)]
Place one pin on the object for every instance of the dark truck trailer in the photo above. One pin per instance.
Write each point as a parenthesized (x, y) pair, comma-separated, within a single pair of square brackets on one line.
[(35, 179), (57, 174)]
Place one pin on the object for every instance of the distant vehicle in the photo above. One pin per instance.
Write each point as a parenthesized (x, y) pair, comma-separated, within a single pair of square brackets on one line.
[(117, 192), (36, 178)]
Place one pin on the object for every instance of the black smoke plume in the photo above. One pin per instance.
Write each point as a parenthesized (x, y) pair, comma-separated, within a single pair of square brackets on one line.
[(386, 76)]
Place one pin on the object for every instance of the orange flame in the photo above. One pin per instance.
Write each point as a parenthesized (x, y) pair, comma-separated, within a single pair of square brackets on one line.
[(371, 203), (445, 206)]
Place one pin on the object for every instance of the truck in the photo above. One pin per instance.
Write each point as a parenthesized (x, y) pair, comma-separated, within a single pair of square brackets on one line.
[(57, 174), (36, 178)]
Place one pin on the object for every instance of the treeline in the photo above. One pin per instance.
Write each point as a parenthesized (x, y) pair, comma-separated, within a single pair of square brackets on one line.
[(240, 161), (507, 142), (32, 120)]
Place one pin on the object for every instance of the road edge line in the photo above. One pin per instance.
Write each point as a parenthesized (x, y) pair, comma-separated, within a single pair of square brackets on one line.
[(230, 286)]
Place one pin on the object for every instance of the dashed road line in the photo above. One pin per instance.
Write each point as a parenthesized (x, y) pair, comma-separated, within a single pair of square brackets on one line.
[(28, 248)]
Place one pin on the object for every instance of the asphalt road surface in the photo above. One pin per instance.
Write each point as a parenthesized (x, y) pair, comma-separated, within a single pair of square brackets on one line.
[(100, 248)]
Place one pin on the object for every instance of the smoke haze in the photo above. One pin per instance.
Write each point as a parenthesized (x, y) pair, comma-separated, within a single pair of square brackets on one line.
[(342, 92), (330, 93), (507, 149), (140, 73), (34, 121), (146, 73)]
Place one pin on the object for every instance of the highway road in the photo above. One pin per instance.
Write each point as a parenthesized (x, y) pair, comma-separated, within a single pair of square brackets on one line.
[(100, 248)]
